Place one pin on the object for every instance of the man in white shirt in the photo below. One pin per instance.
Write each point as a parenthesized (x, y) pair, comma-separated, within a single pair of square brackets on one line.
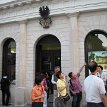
[(94, 88), (54, 80), (101, 74)]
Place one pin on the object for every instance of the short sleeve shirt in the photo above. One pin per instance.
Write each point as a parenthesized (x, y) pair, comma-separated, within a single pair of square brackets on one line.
[(94, 87), (102, 76), (37, 91), (77, 88), (62, 83)]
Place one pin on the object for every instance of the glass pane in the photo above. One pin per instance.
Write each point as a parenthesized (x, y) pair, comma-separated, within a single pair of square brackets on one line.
[(96, 42), (96, 49), (9, 60)]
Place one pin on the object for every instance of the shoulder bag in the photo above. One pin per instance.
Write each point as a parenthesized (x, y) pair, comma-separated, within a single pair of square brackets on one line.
[(66, 97)]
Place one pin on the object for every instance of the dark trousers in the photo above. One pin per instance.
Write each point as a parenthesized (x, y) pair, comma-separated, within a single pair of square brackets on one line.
[(95, 104), (77, 99), (5, 97), (59, 102), (37, 104)]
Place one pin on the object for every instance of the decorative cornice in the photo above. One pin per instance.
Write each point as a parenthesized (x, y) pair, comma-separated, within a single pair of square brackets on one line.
[(70, 15), (17, 3), (32, 11)]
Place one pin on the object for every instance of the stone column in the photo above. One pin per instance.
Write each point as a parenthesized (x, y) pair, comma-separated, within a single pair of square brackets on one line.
[(21, 74), (74, 39), (0, 70)]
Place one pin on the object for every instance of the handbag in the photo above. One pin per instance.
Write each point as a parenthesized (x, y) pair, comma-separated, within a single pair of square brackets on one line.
[(59, 102), (66, 97)]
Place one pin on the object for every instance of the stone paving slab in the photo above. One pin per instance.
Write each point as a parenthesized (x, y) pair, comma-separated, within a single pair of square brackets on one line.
[(28, 105)]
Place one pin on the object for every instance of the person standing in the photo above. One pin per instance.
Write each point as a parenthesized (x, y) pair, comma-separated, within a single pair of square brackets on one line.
[(94, 88), (5, 88), (75, 87), (44, 83), (54, 80), (37, 94), (100, 73), (62, 87)]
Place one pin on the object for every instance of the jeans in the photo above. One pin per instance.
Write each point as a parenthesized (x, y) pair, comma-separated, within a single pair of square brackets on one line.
[(59, 102), (77, 99), (55, 95)]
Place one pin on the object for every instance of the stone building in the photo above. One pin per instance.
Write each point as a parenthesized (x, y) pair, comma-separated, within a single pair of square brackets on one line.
[(26, 46)]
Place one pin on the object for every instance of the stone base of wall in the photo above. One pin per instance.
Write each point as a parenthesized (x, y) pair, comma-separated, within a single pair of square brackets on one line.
[(28, 95), (20, 96), (12, 94)]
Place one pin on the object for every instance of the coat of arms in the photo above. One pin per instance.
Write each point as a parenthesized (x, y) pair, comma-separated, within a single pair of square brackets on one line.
[(45, 19)]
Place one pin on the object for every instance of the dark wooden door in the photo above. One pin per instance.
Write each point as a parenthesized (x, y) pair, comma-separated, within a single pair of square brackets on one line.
[(48, 60)]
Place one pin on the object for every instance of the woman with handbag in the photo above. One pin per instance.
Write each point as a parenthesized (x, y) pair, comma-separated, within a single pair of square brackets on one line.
[(62, 88), (38, 92)]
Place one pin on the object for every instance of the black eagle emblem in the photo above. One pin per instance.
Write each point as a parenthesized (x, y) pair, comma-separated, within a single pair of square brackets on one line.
[(44, 12)]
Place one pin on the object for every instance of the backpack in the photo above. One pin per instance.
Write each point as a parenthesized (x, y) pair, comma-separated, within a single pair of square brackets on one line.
[(70, 87)]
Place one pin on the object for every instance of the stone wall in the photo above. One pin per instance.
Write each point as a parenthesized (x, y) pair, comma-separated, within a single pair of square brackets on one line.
[(70, 25)]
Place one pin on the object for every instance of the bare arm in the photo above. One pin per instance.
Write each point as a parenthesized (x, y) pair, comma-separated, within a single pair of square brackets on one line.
[(81, 69), (104, 99), (72, 91), (35, 98)]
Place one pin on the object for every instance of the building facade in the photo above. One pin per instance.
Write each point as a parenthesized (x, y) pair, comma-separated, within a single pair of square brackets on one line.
[(78, 27)]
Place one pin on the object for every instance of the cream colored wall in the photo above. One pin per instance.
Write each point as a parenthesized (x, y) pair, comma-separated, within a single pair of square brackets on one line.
[(8, 31), (87, 22), (70, 29), (59, 28)]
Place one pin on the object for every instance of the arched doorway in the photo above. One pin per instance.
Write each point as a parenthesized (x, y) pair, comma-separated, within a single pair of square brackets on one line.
[(9, 59), (96, 48), (48, 54)]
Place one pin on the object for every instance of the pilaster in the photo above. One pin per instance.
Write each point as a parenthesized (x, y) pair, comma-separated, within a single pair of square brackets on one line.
[(0, 71), (74, 39), (22, 49), (21, 75)]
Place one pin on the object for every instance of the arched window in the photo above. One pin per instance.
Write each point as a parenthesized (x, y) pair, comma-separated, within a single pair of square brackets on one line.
[(9, 58), (96, 48)]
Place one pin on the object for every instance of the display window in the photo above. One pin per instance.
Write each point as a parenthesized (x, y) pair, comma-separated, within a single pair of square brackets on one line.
[(96, 49)]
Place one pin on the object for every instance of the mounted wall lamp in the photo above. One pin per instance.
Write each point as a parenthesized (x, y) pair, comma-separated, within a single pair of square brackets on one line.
[(45, 19)]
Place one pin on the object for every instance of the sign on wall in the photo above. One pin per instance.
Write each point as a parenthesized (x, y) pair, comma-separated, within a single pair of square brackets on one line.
[(100, 57)]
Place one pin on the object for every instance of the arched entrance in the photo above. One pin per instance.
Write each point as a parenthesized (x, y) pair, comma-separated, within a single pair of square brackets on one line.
[(9, 59), (96, 48), (48, 54)]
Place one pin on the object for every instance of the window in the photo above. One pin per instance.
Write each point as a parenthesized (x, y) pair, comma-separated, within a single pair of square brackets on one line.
[(96, 48), (9, 59)]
